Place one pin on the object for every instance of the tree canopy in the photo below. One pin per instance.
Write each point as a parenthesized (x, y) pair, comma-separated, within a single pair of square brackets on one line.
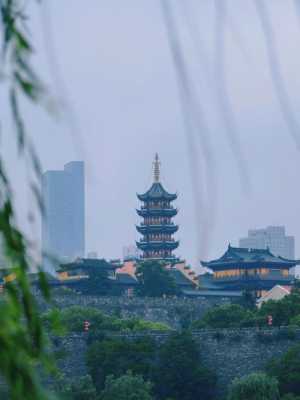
[(255, 386), (116, 356), (180, 374), (287, 370), (226, 316), (155, 280), (126, 387)]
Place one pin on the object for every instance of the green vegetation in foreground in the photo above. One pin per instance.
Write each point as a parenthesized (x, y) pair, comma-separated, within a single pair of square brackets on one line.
[(280, 381), (256, 386), (287, 371), (174, 368), (126, 387)]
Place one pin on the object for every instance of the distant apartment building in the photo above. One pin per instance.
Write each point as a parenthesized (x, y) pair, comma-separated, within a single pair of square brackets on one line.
[(272, 237), (63, 224)]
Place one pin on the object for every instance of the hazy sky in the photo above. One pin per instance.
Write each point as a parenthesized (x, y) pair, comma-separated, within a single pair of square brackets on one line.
[(110, 61)]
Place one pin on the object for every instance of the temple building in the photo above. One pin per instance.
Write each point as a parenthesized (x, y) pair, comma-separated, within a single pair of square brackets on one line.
[(256, 270), (157, 226)]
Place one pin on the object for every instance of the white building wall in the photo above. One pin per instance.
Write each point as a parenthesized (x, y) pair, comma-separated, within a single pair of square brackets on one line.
[(273, 237)]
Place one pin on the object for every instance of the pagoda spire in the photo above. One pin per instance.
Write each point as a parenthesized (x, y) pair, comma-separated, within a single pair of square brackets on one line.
[(156, 168)]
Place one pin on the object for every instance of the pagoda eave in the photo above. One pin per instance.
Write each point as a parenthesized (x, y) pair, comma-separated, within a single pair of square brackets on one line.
[(247, 265), (148, 246), (148, 212), (147, 197), (147, 229)]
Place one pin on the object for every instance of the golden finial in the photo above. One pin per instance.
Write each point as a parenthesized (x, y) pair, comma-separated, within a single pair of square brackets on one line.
[(156, 168)]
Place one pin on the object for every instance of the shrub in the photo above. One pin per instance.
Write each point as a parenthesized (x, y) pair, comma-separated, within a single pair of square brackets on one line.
[(81, 389), (126, 387), (295, 321), (256, 386), (287, 370), (226, 316), (290, 397), (117, 356)]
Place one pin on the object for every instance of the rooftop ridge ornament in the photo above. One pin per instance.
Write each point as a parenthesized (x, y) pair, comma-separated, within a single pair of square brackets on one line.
[(156, 168)]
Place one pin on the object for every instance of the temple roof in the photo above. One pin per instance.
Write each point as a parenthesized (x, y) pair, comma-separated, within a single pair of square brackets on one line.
[(157, 192), (126, 279), (82, 263), (180, 278), (235, 255)]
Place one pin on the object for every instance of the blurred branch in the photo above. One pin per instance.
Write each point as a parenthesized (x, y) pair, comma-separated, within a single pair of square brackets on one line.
[(276, 74), (195, 128), (22, 342), (223, 97)]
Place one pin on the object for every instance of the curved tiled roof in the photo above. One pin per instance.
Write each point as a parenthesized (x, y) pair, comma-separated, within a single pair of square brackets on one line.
[(157, 192), (242, 254)]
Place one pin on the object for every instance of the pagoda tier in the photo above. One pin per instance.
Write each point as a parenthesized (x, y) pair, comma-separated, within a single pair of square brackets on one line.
[(157, 245), (157, 192), (157, 227), (166, 228), (157, 212)]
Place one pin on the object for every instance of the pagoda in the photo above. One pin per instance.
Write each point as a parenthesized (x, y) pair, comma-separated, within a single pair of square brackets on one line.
[(157, 227)]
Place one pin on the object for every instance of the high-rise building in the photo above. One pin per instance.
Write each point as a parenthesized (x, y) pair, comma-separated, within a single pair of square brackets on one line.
[(157, 227), (63, 224), (272, 237)]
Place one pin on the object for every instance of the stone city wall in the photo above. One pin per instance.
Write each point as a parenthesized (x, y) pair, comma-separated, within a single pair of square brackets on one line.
[(175, 312), (230, 353)]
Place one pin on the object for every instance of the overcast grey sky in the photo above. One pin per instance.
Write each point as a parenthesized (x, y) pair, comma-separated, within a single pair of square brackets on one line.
[(115, 63)]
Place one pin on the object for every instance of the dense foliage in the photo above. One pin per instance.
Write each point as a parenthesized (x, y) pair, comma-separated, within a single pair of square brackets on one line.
[(226, 316), (126, 387), (284, 312), (72, 319), (256, 386), (179, 372), (287, 370), (81, 389), (117, 356), (155, 280), (173, 368)]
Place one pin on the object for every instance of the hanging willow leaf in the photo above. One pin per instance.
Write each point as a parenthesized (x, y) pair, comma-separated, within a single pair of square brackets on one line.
[(28, 87), (17, 119), (22, 341)]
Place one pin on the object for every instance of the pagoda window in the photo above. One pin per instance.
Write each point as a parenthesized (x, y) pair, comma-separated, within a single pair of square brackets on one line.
[(227, 273), (264, 271)]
